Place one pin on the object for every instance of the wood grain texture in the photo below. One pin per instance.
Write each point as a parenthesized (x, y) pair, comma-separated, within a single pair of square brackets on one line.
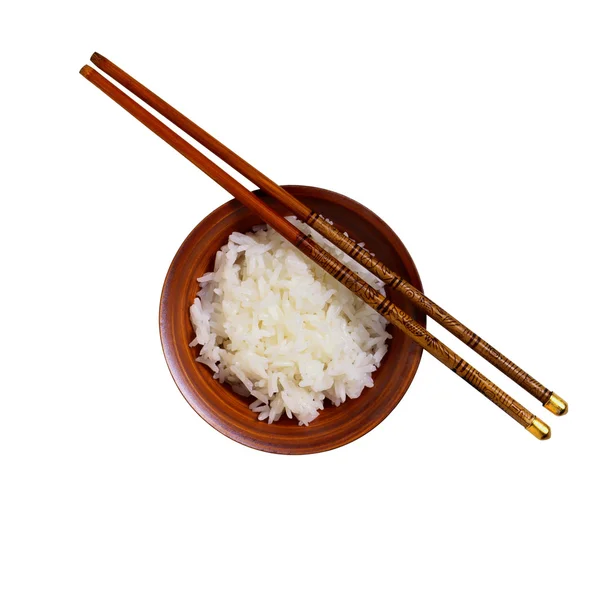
[(313, 218), (228, 412)]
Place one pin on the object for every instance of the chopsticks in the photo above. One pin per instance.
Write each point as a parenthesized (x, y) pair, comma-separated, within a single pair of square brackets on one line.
[(553, 402), (312, 250)]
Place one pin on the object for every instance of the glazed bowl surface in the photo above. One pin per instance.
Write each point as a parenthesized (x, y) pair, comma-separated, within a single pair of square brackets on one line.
[(227, 411)]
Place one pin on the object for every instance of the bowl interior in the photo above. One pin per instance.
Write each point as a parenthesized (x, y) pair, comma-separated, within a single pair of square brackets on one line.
[(227, 411)]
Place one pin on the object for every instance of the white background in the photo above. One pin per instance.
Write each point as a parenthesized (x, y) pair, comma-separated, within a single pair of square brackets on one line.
[(472, 128)]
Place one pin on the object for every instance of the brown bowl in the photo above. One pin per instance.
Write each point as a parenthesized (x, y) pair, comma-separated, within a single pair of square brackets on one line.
[(228, 412)]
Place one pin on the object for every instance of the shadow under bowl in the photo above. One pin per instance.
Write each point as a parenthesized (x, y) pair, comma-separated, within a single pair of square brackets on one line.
[(227, 411)]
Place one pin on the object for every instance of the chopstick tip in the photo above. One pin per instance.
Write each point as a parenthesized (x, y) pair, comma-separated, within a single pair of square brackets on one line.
[(86, 70), (96, 58)]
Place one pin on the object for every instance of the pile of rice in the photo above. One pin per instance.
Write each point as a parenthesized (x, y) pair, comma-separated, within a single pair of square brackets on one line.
[(277, 327)]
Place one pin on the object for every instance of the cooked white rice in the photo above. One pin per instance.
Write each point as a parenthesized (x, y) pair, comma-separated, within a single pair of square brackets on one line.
[(277, 327)]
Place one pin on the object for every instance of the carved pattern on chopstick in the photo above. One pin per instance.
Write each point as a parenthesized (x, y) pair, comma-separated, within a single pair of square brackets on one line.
[(431, 309), (416, 331)]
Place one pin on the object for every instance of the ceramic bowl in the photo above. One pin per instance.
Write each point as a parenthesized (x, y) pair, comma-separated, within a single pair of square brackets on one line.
[(227, 411)]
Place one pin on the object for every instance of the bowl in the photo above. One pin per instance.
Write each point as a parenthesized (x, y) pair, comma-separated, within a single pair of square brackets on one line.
[(227, 411)]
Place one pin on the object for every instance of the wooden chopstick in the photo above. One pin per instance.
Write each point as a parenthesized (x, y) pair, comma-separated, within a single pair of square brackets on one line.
[(305, 244), (550, 400)]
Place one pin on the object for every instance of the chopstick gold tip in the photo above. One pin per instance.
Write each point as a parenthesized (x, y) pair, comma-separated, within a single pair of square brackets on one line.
[(539, 429), (556, 405)]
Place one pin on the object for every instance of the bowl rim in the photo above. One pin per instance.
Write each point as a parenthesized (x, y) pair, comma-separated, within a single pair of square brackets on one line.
[(183, 383)]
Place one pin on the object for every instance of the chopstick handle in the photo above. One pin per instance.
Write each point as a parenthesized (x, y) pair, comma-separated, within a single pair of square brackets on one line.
[(304, 243), (551, 401), (421, 336)]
